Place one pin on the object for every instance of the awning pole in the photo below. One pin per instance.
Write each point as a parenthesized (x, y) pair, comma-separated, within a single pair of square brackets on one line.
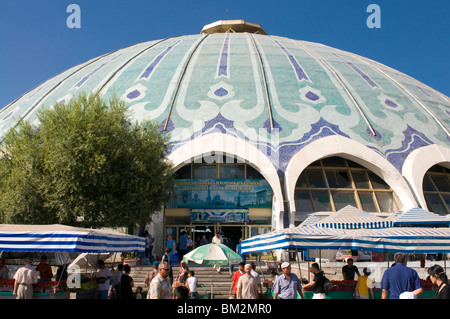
[(299, 266)]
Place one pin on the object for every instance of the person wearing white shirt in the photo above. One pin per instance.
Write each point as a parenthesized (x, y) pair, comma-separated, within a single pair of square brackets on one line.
[(217, 239), (256, 275), (192, 283), (103, 280)]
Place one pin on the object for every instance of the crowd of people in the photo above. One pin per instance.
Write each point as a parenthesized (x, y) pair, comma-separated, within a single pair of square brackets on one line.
[(398, 281)]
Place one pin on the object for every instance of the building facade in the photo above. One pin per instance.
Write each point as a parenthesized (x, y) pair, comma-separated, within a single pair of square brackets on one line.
[(265, 129)]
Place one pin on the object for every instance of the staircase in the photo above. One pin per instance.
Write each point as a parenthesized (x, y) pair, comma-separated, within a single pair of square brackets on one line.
[(210, 282)]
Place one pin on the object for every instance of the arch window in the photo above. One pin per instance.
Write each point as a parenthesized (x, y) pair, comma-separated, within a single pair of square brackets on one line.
[(218, 166), (436, 189), (333, 183)]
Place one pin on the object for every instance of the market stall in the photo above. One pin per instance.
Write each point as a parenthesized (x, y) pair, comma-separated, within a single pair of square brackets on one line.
[(348, 231), (61, 239), (353, 230), (418, 217)]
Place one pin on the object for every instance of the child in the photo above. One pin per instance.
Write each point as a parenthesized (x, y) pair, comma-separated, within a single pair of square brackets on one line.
[(364, 286), (192, 283), (139, 292)]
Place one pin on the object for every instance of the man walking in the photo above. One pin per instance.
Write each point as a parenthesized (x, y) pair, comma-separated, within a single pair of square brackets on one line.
[(236, 276), (160, 287), (103, 280), (287, 285), (25, 277), (399, 279), (247, 286)]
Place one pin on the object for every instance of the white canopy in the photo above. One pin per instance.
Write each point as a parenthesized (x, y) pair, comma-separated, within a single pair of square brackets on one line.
[(418, 217), (395, 239), (61, 238), (351, 217), (351, 228)]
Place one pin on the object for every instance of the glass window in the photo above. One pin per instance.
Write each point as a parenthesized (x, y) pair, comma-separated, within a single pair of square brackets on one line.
[(352, 185), (204, 171), (435, 204), (338, 179), (446, 198), (367, 202), (303, 202), (316, 163), (302, 181), (254, 231), (377, 182), (353, 164), (236, 171), (427, 185), (253, 173), (334, 162), (171, 231), (321, 201), (343, 198), (315, 179), (436, 169), (386, 202), (360, 179), (441, 182), (183, 172)]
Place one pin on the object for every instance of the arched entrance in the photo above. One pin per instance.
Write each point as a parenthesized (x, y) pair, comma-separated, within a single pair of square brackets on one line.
[(351, 150), (219, 193), (227, 185)]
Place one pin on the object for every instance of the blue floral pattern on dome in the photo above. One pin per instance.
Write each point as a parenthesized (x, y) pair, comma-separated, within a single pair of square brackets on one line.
[(289, 93)]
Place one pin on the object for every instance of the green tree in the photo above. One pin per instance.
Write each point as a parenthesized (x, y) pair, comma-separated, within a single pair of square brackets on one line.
[(84, 164)]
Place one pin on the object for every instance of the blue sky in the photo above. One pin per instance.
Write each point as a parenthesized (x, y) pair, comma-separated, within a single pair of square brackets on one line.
[(36, 43)]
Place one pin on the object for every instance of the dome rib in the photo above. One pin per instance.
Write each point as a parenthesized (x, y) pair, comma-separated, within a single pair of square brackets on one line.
[(265, 86), (38, 102), (338, 78), (180, 79), (127, 62), (413, 96)]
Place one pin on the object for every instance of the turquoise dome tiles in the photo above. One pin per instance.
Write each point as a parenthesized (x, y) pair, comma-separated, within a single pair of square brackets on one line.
[(277, 93)]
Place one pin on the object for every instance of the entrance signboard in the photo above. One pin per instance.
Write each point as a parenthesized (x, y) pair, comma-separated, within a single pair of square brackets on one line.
[(216, 215), (222, 193)]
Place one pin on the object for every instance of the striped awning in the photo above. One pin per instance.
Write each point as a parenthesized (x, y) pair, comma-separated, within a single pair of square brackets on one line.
[(394, 239), (61, 238), (351, 217), (418, 217)]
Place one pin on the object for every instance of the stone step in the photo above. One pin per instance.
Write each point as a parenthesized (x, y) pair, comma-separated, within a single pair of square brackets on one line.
[(209, 280)]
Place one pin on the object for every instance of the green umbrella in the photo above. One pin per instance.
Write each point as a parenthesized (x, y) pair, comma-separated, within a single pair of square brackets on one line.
[(212, 254)]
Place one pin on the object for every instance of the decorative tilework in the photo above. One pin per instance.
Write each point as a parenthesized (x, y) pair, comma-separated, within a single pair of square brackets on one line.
[(149, 69), (222, 90)]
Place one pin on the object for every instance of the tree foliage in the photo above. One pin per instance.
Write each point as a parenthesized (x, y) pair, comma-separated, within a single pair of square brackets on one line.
[(84, 164)]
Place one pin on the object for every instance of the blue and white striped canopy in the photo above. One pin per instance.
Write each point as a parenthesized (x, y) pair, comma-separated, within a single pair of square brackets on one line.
[(61, 238), (405, 239), (418, 217), (351, 217)]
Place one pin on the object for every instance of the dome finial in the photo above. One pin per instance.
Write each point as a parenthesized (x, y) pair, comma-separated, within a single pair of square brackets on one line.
[(234, 26)]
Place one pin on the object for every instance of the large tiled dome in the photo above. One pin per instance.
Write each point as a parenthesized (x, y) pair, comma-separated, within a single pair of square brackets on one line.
[(275, 94)]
